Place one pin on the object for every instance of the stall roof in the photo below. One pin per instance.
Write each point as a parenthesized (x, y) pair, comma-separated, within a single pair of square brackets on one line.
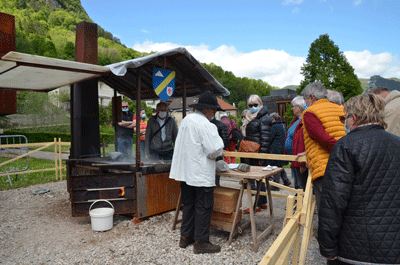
[(21, 71), (187, 68)]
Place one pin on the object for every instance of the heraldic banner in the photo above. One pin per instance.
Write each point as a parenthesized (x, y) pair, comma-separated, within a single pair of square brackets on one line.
[(163, 83)]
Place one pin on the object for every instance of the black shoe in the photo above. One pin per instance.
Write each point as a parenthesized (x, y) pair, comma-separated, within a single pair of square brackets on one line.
[(185, 241), (207, 247), (273, 188), (287, 183)]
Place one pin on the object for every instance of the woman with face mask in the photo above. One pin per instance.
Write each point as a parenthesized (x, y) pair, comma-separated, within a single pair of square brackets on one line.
[(360, 203), (258, 129), (142, 134)]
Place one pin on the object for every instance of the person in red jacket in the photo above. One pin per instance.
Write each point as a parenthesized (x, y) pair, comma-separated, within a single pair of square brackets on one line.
[(295, 134), (231, 125)]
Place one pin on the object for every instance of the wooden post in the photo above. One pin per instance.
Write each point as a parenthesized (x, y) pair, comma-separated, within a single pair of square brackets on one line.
[(8, 97), (85, 134), (139, 84), (59, 157), (55, 157)]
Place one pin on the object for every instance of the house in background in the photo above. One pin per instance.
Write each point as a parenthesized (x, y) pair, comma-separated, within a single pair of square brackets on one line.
[(278, 99), (175, 108)]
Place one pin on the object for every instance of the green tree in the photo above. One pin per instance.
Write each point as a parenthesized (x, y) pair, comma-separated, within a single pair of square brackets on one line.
[(325, 63), (69, 51), (289, 114)]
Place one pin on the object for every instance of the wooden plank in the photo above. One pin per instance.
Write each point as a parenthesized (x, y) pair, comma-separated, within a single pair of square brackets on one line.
[(280, 243), (284, 258), (256, 173), (266, 156), (26, 145), (25, 155)]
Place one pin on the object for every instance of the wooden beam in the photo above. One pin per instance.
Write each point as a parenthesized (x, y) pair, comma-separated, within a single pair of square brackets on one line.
[(266, 156)]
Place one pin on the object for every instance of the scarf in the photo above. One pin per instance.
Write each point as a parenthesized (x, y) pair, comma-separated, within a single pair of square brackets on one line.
[(248, 118)]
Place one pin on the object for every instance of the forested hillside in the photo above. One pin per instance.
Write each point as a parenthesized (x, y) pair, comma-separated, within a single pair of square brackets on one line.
[(47, 28)]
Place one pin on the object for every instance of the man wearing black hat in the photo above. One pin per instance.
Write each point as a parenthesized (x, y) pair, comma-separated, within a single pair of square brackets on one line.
[(193, 164)]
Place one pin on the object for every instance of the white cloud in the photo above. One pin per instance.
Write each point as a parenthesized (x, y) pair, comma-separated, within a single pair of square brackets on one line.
[(145, 31), (357, 2), (292, 2), (296, 10), (366, 64), (277, 68)]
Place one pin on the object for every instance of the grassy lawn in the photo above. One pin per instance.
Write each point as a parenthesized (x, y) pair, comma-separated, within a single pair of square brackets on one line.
[(28, 179)]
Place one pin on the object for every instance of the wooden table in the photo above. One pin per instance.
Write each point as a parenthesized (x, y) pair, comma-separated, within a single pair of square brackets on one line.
[(256, 173)]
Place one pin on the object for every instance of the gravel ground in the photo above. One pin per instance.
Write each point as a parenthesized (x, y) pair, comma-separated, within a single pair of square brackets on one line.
[(39, 229)]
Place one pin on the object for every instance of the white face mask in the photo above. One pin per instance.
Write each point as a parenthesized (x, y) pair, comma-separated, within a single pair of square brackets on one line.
[(162, 114)]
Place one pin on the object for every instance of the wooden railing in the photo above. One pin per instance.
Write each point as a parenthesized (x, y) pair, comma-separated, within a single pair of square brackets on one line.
[(58, 167), (299, 213)]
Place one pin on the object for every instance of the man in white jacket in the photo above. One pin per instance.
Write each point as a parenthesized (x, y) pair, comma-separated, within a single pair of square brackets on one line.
[(197, 146)]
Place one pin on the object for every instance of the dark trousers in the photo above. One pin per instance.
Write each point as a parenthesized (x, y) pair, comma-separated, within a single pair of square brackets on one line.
[(281, 175), (197, 210), (300, 180), (318, 191), (261, 199)]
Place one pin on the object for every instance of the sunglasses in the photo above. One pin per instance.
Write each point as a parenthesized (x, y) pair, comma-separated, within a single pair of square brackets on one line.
[(253, 105), (342, 119), (125, 107)]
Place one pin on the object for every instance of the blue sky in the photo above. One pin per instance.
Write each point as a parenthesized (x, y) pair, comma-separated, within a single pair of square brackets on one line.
[(266, 40)]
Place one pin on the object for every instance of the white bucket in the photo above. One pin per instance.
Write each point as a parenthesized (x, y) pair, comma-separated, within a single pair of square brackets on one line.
[(102, 218)]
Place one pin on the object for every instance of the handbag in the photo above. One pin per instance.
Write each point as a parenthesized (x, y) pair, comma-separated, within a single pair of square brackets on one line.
[(249, 146)]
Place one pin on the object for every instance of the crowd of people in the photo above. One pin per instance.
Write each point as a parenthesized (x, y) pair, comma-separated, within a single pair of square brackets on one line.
[(353, 157)]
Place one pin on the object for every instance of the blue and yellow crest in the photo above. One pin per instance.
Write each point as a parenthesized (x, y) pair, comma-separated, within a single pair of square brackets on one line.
[(163, 83)]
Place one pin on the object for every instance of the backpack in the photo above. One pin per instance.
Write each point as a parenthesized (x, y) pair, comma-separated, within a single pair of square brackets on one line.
[(236, 134)]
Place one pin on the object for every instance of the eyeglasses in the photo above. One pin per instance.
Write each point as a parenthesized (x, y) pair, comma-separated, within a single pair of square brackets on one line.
[(253, 105), (295, 106), (342, 119), (125, 107)]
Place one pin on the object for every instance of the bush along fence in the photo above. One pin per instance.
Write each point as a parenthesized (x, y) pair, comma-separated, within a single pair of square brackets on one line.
[(42, 137), (58, 167), (290, 245)]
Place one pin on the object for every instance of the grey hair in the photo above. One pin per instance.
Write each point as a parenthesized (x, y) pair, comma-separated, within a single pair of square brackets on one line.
[(275, 116), (245, 112), (255, 98), (335, 97), (299, 101), (317, 89), (125, 102)]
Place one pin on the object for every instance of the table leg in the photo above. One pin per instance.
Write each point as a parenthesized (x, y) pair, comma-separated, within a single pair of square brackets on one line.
[(234, 225), (271, 209), (257, 194), (252, 218)]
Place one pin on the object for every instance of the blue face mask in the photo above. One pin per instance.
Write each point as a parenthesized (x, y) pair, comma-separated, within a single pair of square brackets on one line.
[(347, 130), (243, 121), (126, 109), (143, 116), (305, 106), (254, 109)]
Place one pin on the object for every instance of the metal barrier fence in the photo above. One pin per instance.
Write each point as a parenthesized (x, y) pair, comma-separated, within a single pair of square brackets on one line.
[(289, 246), (7, 153), (58, 167)]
